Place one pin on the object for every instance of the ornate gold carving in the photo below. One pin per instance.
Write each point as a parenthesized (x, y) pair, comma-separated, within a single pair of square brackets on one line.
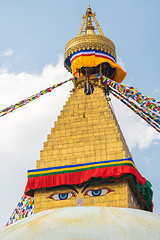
[(88, 41), (98, 41)]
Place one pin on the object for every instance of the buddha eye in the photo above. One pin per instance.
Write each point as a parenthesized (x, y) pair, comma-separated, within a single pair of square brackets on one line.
[(62, 196), (97, 192)]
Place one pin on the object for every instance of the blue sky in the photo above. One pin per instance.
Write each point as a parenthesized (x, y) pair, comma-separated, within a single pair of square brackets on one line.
[(32, 43)]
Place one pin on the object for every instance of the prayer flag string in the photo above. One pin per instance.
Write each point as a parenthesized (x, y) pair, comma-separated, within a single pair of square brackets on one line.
[(146, 107), (141, 114), (30, 99), (25, 208)]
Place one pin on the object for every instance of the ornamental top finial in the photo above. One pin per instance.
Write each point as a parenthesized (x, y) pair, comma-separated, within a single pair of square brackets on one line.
[(88, 20), (89, 10), (90, 53)]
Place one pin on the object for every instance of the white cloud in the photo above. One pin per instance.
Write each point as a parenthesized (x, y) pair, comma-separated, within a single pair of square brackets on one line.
[(23, 132), (6, 53), (137, 132)]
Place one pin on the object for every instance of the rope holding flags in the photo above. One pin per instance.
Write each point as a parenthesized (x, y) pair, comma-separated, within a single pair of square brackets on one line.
[(147, 108), (30, 99)]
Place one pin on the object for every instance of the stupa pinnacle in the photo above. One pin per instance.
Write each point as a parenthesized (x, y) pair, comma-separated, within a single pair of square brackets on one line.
[(91, 53)]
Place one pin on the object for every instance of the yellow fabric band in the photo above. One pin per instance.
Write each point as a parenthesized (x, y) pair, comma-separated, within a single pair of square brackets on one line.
[(93, 61)]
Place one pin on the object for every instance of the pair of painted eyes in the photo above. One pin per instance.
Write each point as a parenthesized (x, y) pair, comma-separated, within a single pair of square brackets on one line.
[(91, 193)]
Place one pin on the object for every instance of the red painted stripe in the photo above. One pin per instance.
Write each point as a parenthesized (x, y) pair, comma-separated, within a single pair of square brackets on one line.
[(90, 54), (105, 57), (80, 177)]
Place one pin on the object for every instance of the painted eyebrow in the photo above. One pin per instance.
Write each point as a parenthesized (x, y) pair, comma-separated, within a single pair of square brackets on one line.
[(66, 186), (91, 184), (72, 188), (86, 187)]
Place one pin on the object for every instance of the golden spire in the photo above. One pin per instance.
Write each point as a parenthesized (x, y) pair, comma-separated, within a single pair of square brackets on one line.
[(89, 29)]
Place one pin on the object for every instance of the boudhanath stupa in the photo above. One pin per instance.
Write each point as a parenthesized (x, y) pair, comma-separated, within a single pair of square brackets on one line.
[(86, 184)]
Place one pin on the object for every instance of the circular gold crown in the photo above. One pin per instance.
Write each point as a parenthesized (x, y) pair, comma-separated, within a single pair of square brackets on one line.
[(89, 40)]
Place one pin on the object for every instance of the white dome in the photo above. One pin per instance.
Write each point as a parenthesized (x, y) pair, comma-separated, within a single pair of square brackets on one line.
[(95, 223)]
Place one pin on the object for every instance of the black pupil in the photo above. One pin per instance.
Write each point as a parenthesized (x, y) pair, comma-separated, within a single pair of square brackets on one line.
[(96, 192), (63, 196)]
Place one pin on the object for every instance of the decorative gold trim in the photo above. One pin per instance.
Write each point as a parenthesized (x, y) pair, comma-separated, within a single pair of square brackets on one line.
[(87, 41), (90, 41)]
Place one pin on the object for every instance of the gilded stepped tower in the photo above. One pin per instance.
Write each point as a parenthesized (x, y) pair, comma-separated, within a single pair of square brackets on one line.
[(86, 161), (85, 132)]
